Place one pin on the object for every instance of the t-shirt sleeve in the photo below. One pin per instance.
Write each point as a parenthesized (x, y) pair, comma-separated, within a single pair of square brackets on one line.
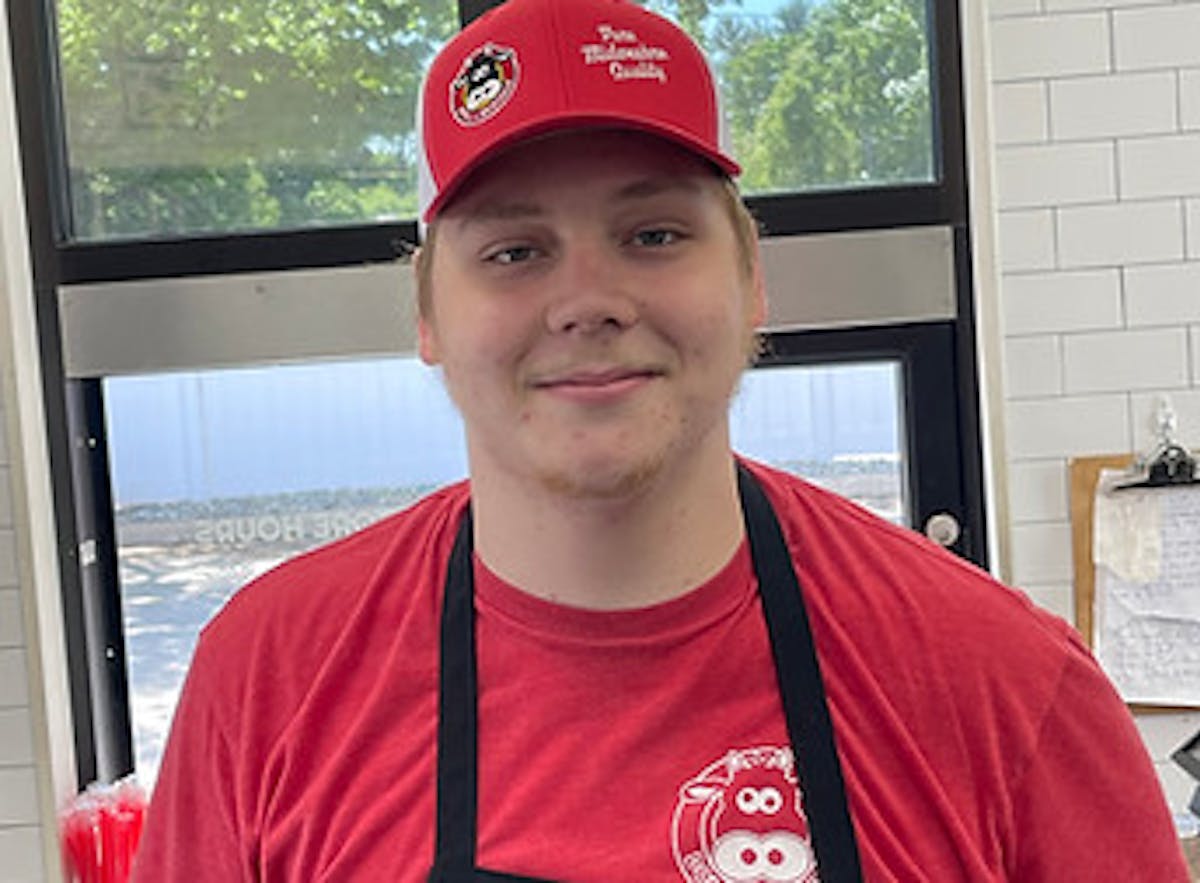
[(192, 829), (1089, 806)]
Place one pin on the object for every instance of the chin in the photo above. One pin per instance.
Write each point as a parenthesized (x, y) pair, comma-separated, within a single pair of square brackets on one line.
[(601, 481)]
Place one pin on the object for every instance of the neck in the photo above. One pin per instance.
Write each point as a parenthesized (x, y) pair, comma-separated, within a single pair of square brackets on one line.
[(649, 546)]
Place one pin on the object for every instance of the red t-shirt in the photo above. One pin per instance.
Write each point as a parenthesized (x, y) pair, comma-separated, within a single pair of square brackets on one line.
[(978, 739)]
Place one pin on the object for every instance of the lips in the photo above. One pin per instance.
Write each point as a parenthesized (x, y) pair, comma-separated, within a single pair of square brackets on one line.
[(594, 378)]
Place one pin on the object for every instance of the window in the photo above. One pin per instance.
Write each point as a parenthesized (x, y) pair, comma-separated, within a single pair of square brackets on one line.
[(215, 188)]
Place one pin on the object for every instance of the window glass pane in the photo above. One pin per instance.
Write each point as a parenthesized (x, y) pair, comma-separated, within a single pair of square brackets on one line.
[(219, 475), (197, 117), (215, 116), (840, 426), (820, 94)]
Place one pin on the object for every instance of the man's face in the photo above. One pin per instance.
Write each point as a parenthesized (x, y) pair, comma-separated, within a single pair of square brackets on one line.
[(590, 313)]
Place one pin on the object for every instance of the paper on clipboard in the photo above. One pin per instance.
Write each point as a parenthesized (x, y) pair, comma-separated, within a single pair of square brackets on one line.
[(1146, 548)]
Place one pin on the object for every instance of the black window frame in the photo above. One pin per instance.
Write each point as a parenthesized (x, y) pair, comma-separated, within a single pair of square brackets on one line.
[(944, 413)]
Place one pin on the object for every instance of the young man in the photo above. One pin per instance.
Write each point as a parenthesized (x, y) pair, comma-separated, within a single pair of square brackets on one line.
[(619, 653)]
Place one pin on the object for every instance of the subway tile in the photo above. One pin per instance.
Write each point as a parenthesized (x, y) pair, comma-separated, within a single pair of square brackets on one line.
[(16, 737), (1049, 46), (1019, 112), (1123, 233), (21, 855), (1042, 303), (1162, 294), (1026, 240), (1081, 5), (1161, 36), (1152, 167), (1192, 222), (18, 796), (14, 681), (1189, 98), (8, 557), (1113, 105), (1067, 427), (1041, 553), (1178, 787), (12, 633), (1001, 8), (1055, 174), (1125, 360), (1163, 733), (1032, 366), (1143, 412), (1056, 598), (6, 513), (1038, 491)]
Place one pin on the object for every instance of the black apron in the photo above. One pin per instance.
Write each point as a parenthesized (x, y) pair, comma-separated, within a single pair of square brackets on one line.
[(809, 727)]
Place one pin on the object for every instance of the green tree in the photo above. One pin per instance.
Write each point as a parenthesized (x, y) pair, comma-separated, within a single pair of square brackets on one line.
[(191, 116), (202, 115)]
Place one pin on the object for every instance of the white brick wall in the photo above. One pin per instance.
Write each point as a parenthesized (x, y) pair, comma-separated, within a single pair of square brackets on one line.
[(1096, 106)]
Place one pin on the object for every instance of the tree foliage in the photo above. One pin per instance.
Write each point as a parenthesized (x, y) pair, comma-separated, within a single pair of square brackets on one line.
[(189, 116)]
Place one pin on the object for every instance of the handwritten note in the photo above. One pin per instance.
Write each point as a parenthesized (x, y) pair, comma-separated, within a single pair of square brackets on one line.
[(1148, 621)]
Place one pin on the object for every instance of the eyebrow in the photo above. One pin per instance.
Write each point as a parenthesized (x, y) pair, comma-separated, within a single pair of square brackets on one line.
[(643, 188)]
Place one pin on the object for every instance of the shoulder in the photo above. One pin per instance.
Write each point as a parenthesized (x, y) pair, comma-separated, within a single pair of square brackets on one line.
[(912, 612)]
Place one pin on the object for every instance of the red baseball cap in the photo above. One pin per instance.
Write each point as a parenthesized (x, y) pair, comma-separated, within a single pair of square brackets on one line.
[(530, 67)]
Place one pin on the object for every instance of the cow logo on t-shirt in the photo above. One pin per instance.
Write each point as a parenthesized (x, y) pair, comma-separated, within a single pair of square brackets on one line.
[(740, 821)]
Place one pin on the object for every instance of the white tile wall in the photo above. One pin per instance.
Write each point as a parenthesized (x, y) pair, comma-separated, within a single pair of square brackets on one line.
[(1189, 98), (1122, 233), (1001, 8), (18, 796), (21, 855), (1041, 554), (14, 688), (1020, 113), (1160, 36), (1108, 106), (1040, 303), (1125, 360), (1033, 366), (1068, 427), (1186, 404), (1038, 490), (11, 628), (1026, 240), (1192, 222), (1056, 174), (1058, 598), (1153, 167), (1101, 311), (1167, 294), (16, 737), (1048, 46)]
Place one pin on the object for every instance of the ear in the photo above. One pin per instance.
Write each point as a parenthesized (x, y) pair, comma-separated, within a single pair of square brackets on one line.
[(757, 308), (427, 347)]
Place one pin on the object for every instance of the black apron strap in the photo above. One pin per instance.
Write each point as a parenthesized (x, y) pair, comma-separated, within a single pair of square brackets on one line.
[(457, 751), (809, 726), (822, 788), (458, 710)]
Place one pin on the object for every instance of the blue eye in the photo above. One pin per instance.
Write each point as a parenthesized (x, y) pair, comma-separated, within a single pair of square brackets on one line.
[(512, 255), (655, 237)]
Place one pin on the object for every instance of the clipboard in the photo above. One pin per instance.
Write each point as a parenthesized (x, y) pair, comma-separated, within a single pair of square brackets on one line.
[(1084, 478)]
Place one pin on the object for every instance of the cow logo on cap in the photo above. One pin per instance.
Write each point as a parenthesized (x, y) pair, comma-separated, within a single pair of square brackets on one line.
[(485, 83), (740, 821)]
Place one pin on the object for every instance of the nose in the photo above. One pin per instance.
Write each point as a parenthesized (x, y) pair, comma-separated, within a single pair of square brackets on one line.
[(592, 294)]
